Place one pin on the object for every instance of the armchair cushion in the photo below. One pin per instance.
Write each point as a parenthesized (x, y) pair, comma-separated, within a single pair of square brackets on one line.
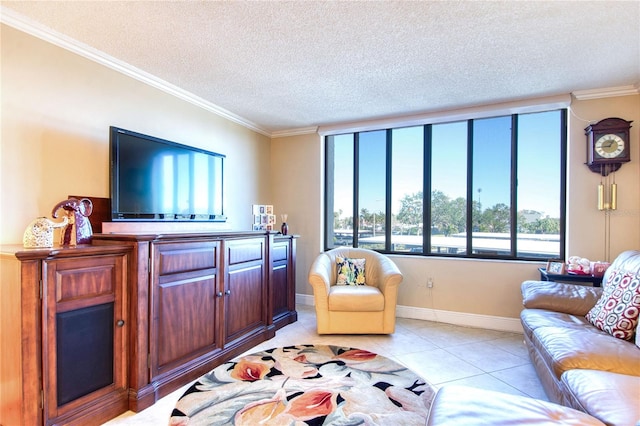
[(355, 299), (350, 271)]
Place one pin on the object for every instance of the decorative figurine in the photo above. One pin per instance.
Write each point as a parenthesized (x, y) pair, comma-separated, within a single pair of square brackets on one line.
[(78, 229), (39, 233)]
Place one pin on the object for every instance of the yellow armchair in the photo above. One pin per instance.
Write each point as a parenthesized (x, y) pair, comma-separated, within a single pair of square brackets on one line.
[(362, 309)]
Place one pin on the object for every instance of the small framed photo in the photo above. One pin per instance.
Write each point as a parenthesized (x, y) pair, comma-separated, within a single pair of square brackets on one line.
[(599, 268), (555, 267)]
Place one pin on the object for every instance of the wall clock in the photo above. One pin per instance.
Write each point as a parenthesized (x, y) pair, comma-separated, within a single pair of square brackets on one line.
[(608, 145)]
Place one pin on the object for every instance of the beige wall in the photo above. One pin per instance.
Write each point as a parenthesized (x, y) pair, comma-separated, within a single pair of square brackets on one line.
[(57, 107), (296, 165), (586, 225), (56, 111), (480, 287)]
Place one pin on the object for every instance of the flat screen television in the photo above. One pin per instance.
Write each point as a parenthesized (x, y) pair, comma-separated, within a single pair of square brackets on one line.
[(153, 179)]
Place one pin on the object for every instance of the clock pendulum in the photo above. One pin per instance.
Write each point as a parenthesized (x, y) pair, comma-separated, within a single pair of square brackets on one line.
[(608, 193)]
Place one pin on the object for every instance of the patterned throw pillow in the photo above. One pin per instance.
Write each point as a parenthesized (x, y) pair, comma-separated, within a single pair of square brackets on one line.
[(350, 271), (617, 310)]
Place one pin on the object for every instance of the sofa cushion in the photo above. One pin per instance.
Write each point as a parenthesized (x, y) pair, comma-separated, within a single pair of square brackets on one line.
[(559, 297), (361, 298), (532, 319), (616, 312), (611, 397), (567, 348), (350, 271), (466, 406)]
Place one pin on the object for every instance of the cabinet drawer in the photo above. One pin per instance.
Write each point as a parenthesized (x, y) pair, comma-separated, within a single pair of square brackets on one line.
[(89, 279), (243, 251), (280, 252), (76, 282), (174, 258)]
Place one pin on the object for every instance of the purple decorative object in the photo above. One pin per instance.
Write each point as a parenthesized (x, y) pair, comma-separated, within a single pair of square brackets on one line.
[(78, 230)]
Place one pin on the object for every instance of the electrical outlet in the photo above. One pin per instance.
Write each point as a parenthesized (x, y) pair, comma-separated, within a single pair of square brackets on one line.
[(430, 283)]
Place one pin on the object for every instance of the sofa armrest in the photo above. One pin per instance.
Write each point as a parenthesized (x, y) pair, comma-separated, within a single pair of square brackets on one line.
[(560, 297)]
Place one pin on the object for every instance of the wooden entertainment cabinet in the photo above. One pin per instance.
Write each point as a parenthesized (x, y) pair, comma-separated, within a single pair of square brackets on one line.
[(145, 315)]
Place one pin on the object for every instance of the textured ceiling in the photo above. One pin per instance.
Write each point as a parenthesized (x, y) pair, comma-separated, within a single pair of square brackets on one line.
[(289, 65)]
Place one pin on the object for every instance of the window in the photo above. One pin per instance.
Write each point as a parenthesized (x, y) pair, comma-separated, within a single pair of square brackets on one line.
[(488, 187)]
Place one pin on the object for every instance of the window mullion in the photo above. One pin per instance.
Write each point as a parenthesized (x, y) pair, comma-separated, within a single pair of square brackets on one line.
[(387, 198), (513, 211), (356, 185), (426, 192), (469, 187)]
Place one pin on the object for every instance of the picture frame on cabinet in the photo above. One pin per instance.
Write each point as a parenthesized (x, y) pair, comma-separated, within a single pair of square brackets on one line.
[(556, 267)]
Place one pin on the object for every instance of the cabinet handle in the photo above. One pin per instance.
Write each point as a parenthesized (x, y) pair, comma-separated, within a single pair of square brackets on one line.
[(228, 292), (219, 294), (120, 323)]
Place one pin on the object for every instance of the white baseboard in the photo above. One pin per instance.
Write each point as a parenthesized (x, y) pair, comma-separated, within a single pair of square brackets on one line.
[(304, 299), (457, 318)]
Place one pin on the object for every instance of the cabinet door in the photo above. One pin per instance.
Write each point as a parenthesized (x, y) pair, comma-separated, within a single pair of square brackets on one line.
[(245, 301), (283, 296), (280, 278), (84, 339), (185, 305)]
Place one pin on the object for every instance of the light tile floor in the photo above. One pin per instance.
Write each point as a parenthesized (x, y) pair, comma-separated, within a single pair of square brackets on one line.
[(441, 353)]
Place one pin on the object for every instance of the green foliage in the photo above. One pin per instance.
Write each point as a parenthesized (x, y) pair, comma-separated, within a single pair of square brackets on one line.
[(449, 217), (495, 219), (411, 211), (545, 225)]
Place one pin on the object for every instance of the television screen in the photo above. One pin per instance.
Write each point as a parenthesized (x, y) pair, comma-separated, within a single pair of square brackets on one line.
[(155, 179)]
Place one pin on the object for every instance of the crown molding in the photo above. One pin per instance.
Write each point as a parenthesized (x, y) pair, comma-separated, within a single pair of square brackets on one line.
[(26, 25), (481, 111), (608, 92), (294, 132)]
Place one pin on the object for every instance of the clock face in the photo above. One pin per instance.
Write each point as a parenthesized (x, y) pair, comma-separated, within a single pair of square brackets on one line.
[(609, 146)]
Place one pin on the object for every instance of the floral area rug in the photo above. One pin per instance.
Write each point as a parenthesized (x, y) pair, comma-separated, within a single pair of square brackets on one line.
[(306, 385)]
